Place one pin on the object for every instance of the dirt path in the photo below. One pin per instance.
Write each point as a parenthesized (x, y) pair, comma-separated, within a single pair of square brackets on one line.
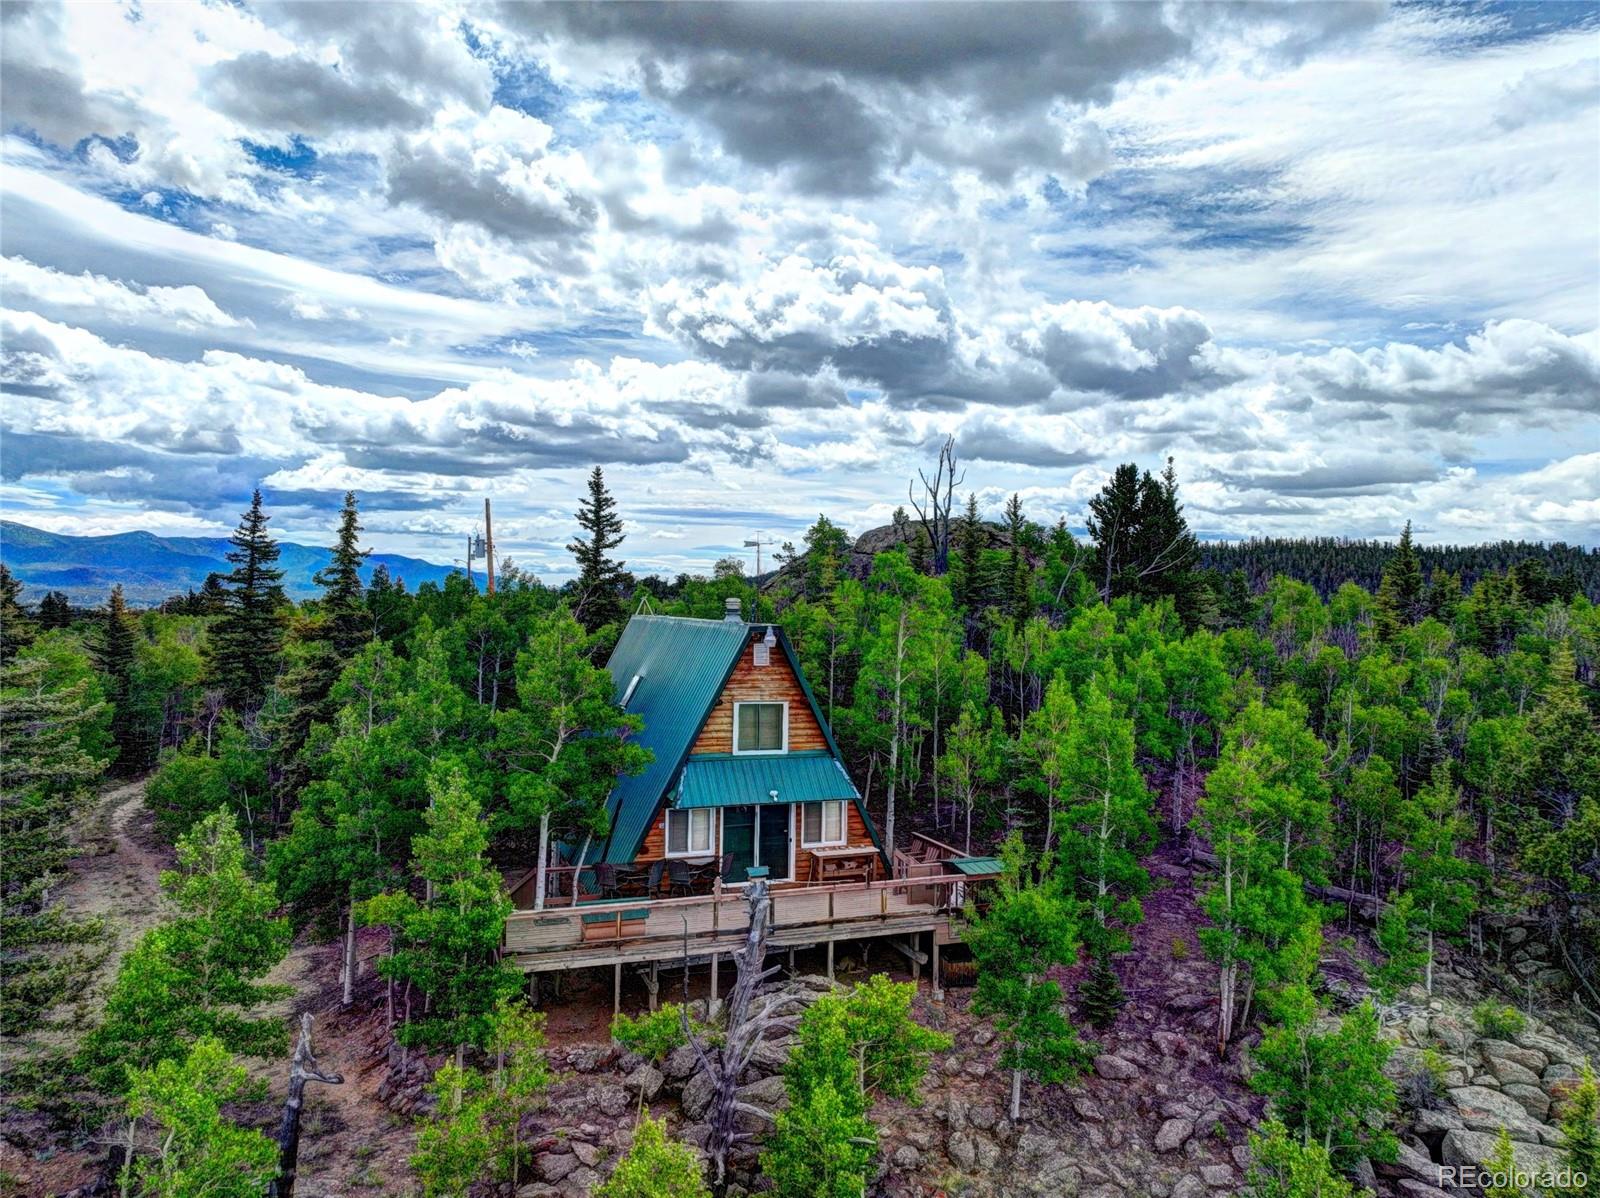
[(121, 882)]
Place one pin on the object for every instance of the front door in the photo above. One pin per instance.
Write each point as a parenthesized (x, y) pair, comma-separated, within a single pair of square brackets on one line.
[(754, 835)]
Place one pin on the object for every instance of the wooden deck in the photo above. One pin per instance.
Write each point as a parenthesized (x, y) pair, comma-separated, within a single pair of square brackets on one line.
[(925, 897)]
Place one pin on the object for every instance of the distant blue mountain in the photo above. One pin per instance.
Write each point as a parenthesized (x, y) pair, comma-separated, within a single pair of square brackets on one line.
[(150, 568)]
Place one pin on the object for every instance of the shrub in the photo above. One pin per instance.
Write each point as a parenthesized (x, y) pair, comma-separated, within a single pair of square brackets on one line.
[(655, 1167), (1499, 1021), (653, 1035), (1423, 1088), (1180, 949)]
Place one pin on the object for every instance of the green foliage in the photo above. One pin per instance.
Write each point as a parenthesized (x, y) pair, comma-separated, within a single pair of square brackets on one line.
[(199, 1153), (1403, 957), (114, 653), (866, 1039), (1330, 1087), (1580, 1125), (1502, 1165), (1498, 1021), (17, 628), (230, 774), (247, 642), (1179, 949), (197, 974), (455, 1148), (45, 951), (1027, 929), (1286, 1167), (822, 1146), (600, 584), (653, 1034), (447, 945), (655, 1166), (1100, 994)]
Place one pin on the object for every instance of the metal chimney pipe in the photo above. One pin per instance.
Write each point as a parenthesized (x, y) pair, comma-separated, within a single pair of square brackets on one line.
[(733, 611)]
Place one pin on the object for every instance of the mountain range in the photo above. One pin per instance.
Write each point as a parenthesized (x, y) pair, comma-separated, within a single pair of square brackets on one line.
[(152, 568)]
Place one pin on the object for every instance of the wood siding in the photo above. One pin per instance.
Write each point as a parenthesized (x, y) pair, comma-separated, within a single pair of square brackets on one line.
[(775, 683), (654, 846)]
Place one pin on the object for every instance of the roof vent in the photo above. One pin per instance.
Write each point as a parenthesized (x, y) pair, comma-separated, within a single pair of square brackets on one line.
[(732, 611)]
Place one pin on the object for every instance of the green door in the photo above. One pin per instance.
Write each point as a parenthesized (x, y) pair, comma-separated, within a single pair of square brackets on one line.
[(738, 842), (756, 836)]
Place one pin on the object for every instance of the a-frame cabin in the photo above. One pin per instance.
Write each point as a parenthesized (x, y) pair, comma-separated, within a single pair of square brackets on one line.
[(746, 773), (746, 782)]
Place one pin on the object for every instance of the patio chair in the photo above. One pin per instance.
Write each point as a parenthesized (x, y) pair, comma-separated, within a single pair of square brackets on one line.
[(657, 868), (605, 877), (680, 878), (725, 868)]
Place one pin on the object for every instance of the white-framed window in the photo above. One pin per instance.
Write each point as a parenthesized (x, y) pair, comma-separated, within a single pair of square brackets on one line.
[(822, 823), (691, 833), (760, 727)]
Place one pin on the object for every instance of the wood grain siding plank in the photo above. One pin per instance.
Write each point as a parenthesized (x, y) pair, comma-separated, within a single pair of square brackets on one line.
[(774, 683)]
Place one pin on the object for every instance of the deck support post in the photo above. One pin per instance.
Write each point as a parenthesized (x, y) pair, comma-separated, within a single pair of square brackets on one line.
[(830, 960), (533, 989), (791, 961), (916, 956), (653, 984), (716, 960), (938, 990), (616, 991)]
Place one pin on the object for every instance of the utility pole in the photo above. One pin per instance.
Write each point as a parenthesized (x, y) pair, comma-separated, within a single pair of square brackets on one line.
[(488, 536), (756, 545)]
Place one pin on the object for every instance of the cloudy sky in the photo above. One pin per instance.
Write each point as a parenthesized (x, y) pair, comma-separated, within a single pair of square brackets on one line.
[(1342, 261)]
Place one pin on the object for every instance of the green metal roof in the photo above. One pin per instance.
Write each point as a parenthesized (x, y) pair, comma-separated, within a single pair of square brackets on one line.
[(978, 866), (682, 666), (727, 781)]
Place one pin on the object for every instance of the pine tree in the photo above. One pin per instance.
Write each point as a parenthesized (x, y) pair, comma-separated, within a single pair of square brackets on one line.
[(55, 611), (348, 626), (1400, 594), (600, 579), (967, 583), (1100, 994), (247, 643), (1019, 571), (1502, 1166), (114, 657), (45, 775), (16, 628), (655, 1166)]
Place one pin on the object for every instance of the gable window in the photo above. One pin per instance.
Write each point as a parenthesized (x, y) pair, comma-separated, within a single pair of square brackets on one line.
[(822, 823), (690, 832), (760, 727)]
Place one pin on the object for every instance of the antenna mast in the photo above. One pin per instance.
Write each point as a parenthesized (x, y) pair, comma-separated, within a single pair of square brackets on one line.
[(756, 545), (488, 536)]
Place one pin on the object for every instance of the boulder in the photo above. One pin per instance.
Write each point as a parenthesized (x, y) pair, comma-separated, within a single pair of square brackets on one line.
[(1485, 1110), (906, 1157), (1534, 1100), (1409, 1162), (645, 1081), (1452, 1033), (1531, 1059), (1410, 1188), (697, 1096), (1115, 1068), (1217, 1176), (768, 1094), (613, 1101), (1476, 1147), (1190, 1185), (553, 1166), (1088, 1110), (1173, 1134), (962, 1151), (1511, 1073), (1048, 1169), (587, 1154), (681, 1063)]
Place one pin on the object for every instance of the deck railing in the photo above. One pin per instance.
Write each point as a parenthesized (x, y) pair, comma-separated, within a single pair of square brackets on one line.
[(707, 918)]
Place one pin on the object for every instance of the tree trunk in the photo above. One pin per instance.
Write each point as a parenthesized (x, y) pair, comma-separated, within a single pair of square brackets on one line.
[(1016, 1095), (350, 955), (302, 1068), (544, 860)]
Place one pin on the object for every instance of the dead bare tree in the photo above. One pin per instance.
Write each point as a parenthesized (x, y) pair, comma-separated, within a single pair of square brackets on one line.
[(749, 1019), (303, 1068), (933, 512)]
